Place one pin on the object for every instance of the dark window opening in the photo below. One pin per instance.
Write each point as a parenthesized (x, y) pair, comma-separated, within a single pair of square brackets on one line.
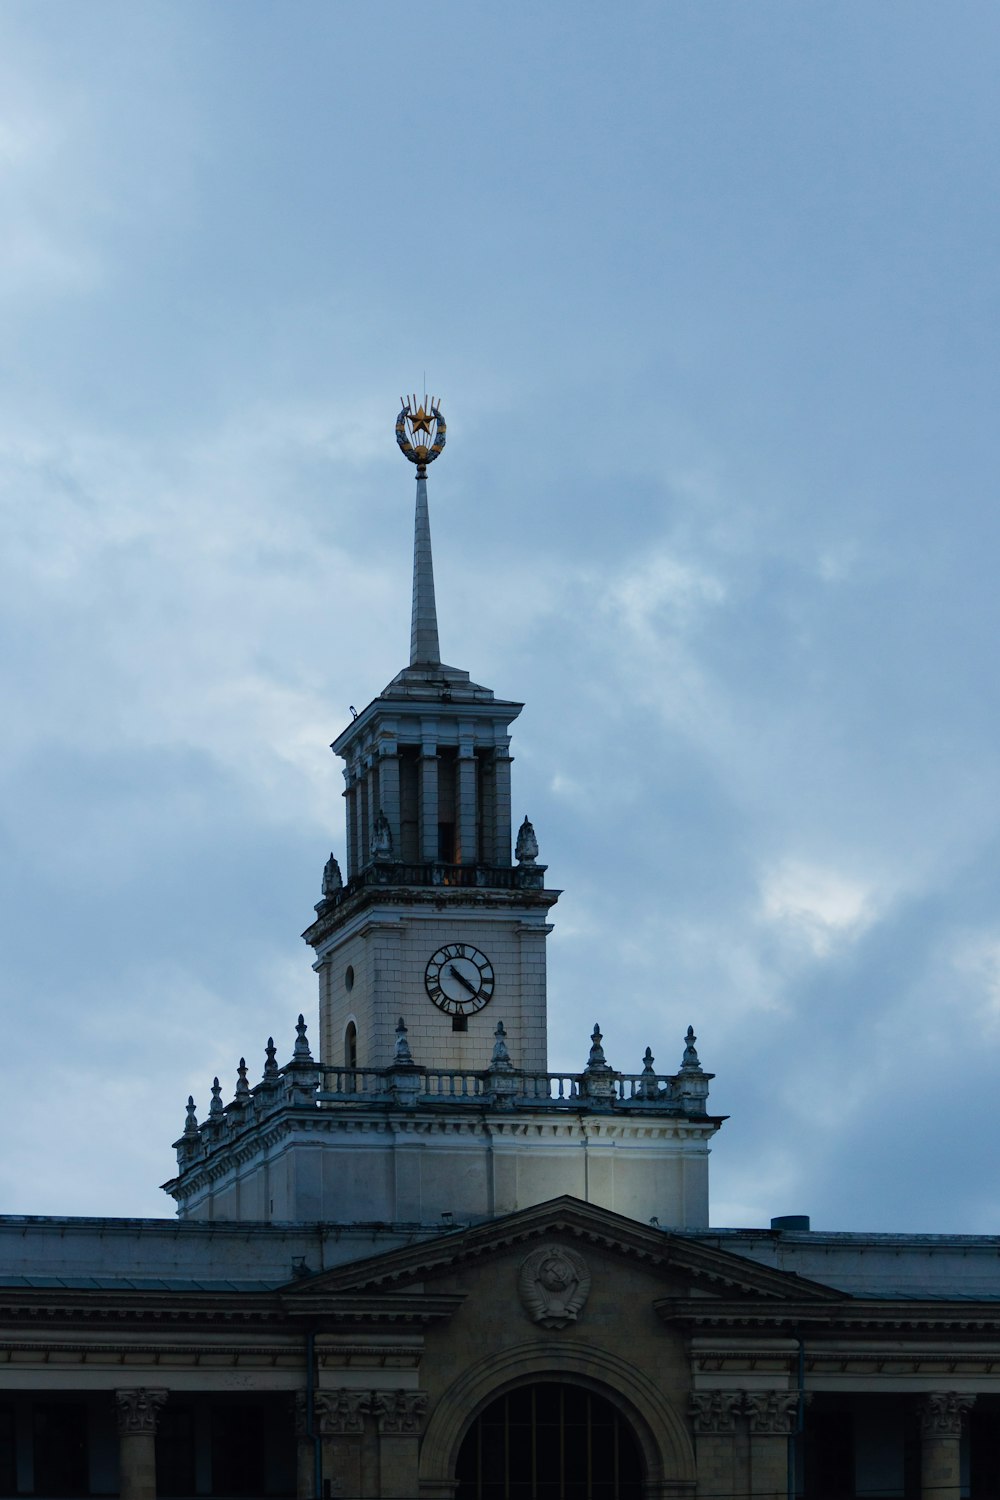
[(175, 1451), (60, 1450), (550, 1441), (351, 1046), (446, 843), (459, 1023)]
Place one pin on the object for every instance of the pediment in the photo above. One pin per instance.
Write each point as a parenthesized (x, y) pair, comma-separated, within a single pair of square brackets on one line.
[(690, 1270)]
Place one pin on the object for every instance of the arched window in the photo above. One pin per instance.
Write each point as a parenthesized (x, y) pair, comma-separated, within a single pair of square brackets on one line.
[(351, 1046), (550, 1441)]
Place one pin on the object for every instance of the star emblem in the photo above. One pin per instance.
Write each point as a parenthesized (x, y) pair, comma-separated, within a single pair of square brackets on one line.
[(421, 421)]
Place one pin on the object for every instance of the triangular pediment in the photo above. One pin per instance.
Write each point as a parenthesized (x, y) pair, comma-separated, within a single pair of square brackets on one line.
[(694, 1270)]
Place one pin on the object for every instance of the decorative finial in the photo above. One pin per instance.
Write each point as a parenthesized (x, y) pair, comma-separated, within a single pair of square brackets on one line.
[(526, 848), (423, 421), (402, 1052), (380, 844), (301, 1052), (271, 1062), (689, 1062), (242, 1086), (648, 1087), (596, 1058), (216, 1109), (333, 881), (500, 1061), (191, 1119)]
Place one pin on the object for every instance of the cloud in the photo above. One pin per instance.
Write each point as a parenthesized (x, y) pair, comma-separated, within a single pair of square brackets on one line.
[(817, 908)]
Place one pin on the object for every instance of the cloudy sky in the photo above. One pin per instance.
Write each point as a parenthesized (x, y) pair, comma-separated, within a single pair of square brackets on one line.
[(710, 293)]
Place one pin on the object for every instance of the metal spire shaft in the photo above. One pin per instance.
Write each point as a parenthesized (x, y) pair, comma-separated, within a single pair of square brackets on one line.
[(424, 645)]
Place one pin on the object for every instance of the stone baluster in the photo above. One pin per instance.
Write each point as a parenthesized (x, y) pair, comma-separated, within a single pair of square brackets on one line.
[(138, 1414)]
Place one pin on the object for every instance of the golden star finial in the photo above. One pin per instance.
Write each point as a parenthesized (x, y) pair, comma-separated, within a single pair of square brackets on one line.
[(421, 421)]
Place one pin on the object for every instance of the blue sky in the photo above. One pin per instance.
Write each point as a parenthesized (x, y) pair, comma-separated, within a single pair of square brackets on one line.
[(710, 294)]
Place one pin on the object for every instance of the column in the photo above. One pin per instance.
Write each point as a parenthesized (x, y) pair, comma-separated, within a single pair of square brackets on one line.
[(941, 1415), (138, 1411), (369, 804), (468, 842), (772, 1416), (720, 1444), (388, 781), (400, 1417), (428, 792), (501, 805)]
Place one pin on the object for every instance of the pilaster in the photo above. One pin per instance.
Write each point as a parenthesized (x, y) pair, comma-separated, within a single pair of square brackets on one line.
[(400, 1416)]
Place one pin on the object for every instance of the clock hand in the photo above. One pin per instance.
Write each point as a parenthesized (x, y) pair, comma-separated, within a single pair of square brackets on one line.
[(456, 974)]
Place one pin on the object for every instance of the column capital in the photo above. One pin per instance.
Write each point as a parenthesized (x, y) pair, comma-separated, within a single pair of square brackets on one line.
[(399, 1412), (342, 1411), (772, 1411), (941, 1413), (716, 1411), (139, 1410)]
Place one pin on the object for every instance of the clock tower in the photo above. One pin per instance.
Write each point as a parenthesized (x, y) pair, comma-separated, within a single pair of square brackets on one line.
[(432, 920), (431, 1102)]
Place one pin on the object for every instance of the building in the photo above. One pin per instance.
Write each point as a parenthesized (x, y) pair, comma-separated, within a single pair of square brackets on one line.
[(420, 1264)]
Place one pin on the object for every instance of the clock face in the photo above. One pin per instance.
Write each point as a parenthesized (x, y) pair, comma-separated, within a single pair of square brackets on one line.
[(459, 979)]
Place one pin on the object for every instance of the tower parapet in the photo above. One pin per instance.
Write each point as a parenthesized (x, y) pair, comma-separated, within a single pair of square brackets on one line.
[(337, 1143)]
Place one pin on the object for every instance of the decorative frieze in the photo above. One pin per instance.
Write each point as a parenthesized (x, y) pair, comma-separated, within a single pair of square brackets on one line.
[(139, 1410), (941, 1413)]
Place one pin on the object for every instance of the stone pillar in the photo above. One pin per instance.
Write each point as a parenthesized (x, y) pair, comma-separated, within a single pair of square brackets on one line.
[(369, 806), (772, 1416), (468, 841), (941, 1415), (341, 1418), (720, 1443), (138, 1411), (388, 782), (428, 792), (351, 811), (400, 1417), (501, 805), (357, 820)]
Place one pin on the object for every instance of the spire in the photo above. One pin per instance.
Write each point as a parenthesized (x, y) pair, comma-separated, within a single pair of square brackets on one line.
[(414, 424), (424, 645)]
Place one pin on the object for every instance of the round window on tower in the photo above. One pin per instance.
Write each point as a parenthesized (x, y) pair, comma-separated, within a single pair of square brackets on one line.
[(349, 976)]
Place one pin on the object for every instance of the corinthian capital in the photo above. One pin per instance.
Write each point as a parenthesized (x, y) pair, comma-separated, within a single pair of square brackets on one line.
[(941, 1413), (716, 1411), (139, 1410), (772, 1411), (399, 1411)]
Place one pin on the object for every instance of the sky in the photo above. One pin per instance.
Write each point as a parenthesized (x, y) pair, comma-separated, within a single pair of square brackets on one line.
[(709, 292)]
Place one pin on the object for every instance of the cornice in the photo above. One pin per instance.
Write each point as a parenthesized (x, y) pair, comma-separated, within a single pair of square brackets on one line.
[(715, 1270), (847, 1314)]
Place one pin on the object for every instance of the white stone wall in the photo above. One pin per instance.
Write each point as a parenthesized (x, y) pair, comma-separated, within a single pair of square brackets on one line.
[(388, 949)]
